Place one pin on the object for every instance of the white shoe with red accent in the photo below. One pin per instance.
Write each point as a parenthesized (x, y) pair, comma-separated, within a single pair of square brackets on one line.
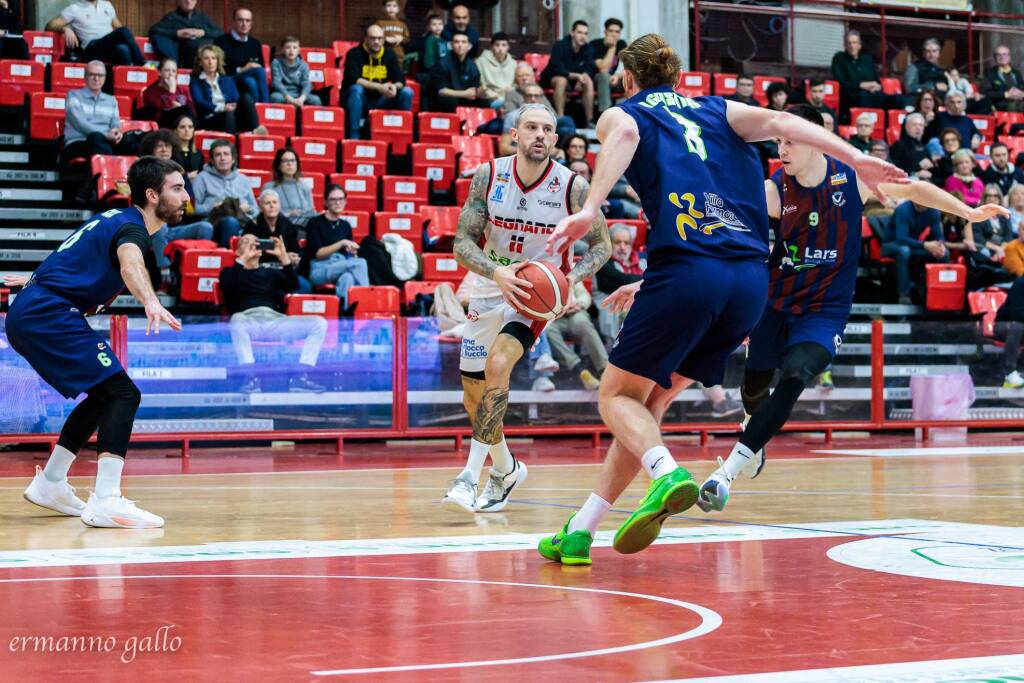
[(117, 512), (54, 495)]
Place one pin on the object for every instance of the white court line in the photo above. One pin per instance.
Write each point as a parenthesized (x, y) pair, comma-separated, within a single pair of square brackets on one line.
[(909, 452)]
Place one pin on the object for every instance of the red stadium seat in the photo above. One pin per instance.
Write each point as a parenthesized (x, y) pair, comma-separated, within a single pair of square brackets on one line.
[(317, 57), (892, 86), (945, 284), (323, 122), (323, 305), (1006, 119), (725, 84), (987, 303), (124, 105), (392, 127), (360, 222), (364, 157), (694, 83), (441, 224), (896, 117), (132, 125), (317, 154), (892, 134), (846, 132), (468, 165), (773, 166), (761, 84), (442, 268), (438, 128), (360, 191), (867, 236), (417, 94), (109, 170), (436, 162), (341, 48), (316, 184), (132, 80), (46, 116), (462, 190), (257, 151), (44, 47), (19, 78), (408, 225), (147, 49), (258, 177), (1015, 143), (66, 76), (414, 287), (200, 273), (404, 194), (474, 117), (327, 77), (375, 302), (279, 119), (986, 125), (538, 60), (205, 138), (637, 226), (878, 115), (475, 146)]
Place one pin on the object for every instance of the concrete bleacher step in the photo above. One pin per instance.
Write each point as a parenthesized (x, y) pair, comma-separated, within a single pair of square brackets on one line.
[(28, 176), (30, 196), (947, 350), (11, 139), (892, 370), (886, 310), (49, 215), (13, 158)]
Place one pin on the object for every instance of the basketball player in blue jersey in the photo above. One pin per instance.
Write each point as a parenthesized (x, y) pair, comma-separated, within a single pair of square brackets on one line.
[(47, 326), (706, 284)]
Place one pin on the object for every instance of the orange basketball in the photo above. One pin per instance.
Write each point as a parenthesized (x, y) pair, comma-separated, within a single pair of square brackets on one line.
[(550, 290)]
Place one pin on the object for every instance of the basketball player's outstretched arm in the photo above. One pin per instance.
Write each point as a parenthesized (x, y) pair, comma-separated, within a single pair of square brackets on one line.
[(934, 197), (598, 241), (133, 272)]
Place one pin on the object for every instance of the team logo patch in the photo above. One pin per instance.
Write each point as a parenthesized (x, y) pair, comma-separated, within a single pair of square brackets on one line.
[(101, 346), (554, 185), (498, 194), (838, 179), (522, 202), (838, 341), (838, 198), (472, 316), (503, 177)]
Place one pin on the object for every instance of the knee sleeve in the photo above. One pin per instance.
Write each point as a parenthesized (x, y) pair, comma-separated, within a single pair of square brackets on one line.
[(805, 361), (754, 389), (121, 399), (81, 423)]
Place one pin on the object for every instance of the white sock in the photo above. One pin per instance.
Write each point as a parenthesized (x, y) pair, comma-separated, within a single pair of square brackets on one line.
[(746, 419), (658, 462), (477, 454), (502, 461), (737, 460), (58, 465), (590, 515), (108, 477)]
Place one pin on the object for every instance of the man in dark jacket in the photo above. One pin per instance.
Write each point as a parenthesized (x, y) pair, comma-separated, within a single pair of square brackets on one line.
[(910, 152), (1001, 171), (243, 57), (455, 80), (572, 62), (373, 80), (859, 84), (460, 24), (744, 92), (926, 73), (180, 33), (1004, 85)]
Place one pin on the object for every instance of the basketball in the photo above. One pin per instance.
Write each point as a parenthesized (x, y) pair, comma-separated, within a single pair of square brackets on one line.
[(550, 290)]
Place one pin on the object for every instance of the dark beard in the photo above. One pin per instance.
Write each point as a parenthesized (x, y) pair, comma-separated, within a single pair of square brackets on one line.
[(168, 213)]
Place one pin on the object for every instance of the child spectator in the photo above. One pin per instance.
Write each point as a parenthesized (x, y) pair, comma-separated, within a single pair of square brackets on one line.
[(396, 32), (290, 77)]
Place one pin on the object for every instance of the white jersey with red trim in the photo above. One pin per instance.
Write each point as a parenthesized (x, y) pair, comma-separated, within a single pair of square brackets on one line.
[(520, 218)]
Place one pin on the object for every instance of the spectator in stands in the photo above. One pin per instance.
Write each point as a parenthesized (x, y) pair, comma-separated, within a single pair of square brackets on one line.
[(607, 77), (219, 182), (530, 93), (12, 45), (1010, 328), (576, 148), (165, 100), (497, 71), (179, 34), (290, 76), (295, 197), (460, 24), (434, 46), (910, 152), (963, 179), (1004, 85), (977, 103), (744, 92), (243, 57), (273, 223), (254, 296), (880, 149), (950, 141), (576, 324), (373, 80), (1000, 171), (859, 84), (916, 238), (455, 81), (1015, 202), (926, 73), (862, 139), (954, 117), (926, 106), (330, 250), (186, 154), (829, 121), (1013, 261), (816, 97), (93, 26), (218, 103), (623, 268), (396, 32), (778, 96), (571, 64), (92, 123), (988, 240)]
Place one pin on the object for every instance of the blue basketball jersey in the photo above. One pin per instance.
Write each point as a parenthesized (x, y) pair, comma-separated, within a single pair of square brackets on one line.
[(82, 269), (813, 265), (698, 181)]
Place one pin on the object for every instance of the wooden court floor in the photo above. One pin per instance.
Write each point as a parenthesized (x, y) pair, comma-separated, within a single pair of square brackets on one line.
[(292, 564)]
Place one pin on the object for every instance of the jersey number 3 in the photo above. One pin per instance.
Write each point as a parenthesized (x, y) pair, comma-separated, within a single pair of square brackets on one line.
[(691, 133)]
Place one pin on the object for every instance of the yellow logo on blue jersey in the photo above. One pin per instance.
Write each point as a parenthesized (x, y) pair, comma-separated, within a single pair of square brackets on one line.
[(714, 210), (838, 179)]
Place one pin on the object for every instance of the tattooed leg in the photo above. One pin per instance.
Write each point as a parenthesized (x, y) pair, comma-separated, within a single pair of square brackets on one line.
[(490, 413)]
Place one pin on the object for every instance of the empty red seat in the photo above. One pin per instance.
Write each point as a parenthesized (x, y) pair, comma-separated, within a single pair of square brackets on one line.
[(133, 125), (46, 115), (462, 190), (19, 78), (441, 223), (147, 49), (66, 76), (945, 284), (476, 146), (474, 117), (895, 117), (725, 84), (205, 138), (323, 122), (414, 287), (317, 57), (442, 268), (257, 151), (375, 302), (392, 127), (987, 304), (435, 162), (132, 80), (761, 84), (877, 115), (316, 182), (109, 170), (124, 105), (364, 157), (257, 178), (986, 125), (404, 194), (278, 119), (413, 85), (438, 128), (892, 86), (341, 48), (200, 273), (327, 77), (360, 191), (323, 305), (1006, 119), (45, 47), (317, 154), (694, 83), (408, 225)]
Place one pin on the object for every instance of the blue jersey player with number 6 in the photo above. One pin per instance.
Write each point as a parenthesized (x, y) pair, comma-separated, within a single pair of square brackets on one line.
[(706, 284), (47, 326)]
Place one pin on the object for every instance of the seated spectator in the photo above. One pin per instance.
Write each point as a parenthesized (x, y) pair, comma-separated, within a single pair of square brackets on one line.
[(92, 123), (1004, 85), (179, 34), (576, 148), (862, 139), (373, 80), (926, 73), (460, 24), (954, 117), (217, 101), (963, 179), (880, 149), (219, 182), (950, 141), (571, 64), (1013, 260), (243, 57), (829, 121), (12, 45), (859, 84), (455, 81), (986, 244), (909, 152), (290, 76), (93, 26), (1015, 202), (927, 106), (976, 102), (1010, 328), (623, 268), (744, 92), (273, 223), (528, 94), (916, 238), (607, 76), (165, 100), (1000, 171), (575, 324), (778, 96), (255, 296), (296, 198), (330, 250), (161, 143), (622, 201), (434, 47), (816, 97), (396, 32), (497, 71), (186, 154)]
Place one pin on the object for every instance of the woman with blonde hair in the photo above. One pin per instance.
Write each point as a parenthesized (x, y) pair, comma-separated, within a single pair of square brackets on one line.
[(963, 179), (217, 101), (1015, 202)]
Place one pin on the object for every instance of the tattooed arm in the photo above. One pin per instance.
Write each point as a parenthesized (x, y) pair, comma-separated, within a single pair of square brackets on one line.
[(597, 238)]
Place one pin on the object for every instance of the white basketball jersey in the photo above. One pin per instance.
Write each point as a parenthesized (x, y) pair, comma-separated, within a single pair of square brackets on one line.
[(520, 218)]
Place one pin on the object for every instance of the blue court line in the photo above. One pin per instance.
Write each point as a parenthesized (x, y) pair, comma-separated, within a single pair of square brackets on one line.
[(712, 520)]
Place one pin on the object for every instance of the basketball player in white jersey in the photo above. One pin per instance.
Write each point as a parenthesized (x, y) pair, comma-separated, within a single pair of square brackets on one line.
[(514, 203)]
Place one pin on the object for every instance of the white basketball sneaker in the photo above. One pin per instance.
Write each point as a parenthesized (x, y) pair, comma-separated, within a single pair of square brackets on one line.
[(499, 487), (461, 495), (54, 495), (117, 512)]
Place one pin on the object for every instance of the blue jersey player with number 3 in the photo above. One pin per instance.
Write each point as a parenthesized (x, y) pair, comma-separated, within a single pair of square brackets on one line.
[(706, 284), (47, 326)]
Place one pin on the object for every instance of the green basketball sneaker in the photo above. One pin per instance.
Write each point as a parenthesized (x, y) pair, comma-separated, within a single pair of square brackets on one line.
[(667, 495), (567, 548)]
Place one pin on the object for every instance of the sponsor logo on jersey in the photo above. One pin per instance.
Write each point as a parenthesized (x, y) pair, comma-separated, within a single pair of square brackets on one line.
[(498, 194), (527, 226), (522, 204), (470, 349), (503, 177), (501, 260), (838, 198), (554, 186), (553, 205), (788, 209), (472, 316), (811, 258), (838, 341), (837, 179)]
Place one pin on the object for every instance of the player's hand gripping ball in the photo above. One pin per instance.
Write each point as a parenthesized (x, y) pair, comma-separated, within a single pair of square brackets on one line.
[(550, 293)]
